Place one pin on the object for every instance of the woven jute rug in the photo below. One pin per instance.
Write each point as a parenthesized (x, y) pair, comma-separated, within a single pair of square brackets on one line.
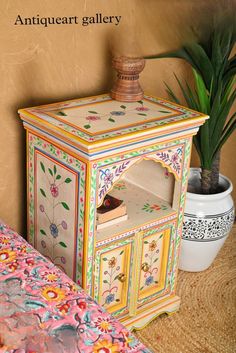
[(206, 321)]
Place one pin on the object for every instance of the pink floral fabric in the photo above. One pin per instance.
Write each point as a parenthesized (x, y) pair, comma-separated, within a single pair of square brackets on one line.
[(42, 310)]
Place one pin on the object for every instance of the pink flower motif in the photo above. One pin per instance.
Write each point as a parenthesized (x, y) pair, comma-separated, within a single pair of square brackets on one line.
[(166, 173), (92, 118), (174, 158), (41, 207), (64, 225), (43, 244), (108, 177), (142, 109), (81, 199), (63, 259), (54, 190)]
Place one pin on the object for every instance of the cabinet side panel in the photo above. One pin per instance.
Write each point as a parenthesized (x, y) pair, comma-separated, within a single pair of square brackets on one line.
[(56, 205)]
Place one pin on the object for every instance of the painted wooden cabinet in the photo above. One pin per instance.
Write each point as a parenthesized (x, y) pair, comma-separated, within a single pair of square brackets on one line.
[(78, 151)]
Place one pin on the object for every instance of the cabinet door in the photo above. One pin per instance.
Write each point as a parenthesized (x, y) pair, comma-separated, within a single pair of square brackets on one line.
[(155, 258), (113, 268)]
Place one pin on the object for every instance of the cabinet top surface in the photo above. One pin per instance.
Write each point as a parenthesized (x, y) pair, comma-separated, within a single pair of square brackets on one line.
[(100, 118)]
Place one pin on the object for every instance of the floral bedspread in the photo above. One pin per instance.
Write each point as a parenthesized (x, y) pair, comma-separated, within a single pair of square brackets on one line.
[(42, 310)]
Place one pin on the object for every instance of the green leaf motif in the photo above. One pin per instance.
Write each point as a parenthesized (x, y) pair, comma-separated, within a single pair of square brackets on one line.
[(163, 111), (68, 180), (64, 204), (42, 166), (92, 112), (63, 244), (143, 114), (58, 177), (62, 113), (105, 281), (112, 120), (42, 232), (55, 169), (43, 192), (50, 171), (104, 259), (121, 252), (123, 106), (146, 242), (140, 102), (87, 126)]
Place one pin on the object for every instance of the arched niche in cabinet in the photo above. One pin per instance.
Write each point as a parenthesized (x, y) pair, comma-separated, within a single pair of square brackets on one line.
[(148, 186)]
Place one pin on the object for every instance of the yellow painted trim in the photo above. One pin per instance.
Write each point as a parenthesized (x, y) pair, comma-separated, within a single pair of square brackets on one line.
[(125, 268), (86, 225), (135, 274), (143, 225), (58, 145), (155, 306), (163, 263), (27, 183), (56, 104), (188, 166), (191, 122), (176, 113), (99, 159), (53, 128), (165, 310)]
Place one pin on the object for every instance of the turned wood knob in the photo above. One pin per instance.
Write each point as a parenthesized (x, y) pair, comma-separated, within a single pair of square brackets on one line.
[(127, 87)]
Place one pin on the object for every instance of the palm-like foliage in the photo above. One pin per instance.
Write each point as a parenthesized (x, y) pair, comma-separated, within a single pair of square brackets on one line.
[(213, 94)]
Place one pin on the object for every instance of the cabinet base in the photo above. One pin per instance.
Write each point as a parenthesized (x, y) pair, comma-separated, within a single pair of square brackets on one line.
[(142, 319)]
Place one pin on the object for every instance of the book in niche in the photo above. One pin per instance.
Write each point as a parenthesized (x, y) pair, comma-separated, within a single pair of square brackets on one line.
[(111, 209)]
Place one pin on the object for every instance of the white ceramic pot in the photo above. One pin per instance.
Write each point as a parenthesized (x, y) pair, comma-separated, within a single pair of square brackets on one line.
[(208, 220)]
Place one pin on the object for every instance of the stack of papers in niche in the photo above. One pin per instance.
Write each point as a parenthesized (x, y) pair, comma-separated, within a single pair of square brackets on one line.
[(112, 211)]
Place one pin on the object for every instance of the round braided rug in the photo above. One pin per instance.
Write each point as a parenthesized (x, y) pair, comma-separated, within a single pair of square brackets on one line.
[(206, 321)]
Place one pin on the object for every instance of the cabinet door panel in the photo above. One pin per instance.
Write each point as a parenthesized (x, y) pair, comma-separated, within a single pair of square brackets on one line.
[(153, 267), (112, 276)]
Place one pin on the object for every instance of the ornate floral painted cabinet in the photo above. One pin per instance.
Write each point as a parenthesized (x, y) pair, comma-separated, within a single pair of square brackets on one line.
[(79, 151)]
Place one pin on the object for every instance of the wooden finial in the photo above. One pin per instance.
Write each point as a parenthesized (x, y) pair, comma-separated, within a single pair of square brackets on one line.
[(127, 87)]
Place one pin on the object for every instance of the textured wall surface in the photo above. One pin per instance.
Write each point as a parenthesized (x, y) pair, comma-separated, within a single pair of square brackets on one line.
[(40, 65)]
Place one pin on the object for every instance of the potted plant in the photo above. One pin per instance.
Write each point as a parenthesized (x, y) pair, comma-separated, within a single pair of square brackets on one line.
[(209, 212)]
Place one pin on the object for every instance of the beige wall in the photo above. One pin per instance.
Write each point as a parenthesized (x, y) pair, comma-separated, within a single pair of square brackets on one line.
[(41, 65)]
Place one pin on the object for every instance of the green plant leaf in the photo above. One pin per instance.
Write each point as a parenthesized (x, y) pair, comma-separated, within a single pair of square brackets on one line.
[(68, 180), (202, 93), (63, 244), (64, 204), (42, 166), (171, 94), (43, 192)]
